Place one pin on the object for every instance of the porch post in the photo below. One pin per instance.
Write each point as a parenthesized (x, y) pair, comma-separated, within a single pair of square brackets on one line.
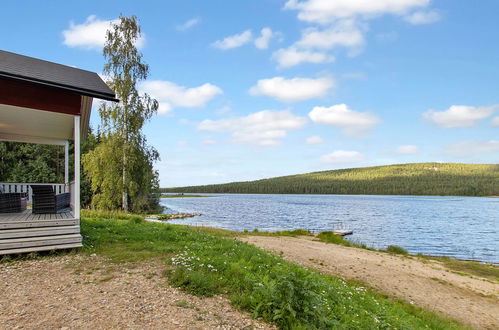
[(77, 167), (66, 165)]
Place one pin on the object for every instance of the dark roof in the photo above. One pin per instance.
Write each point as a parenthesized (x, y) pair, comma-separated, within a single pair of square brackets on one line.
[(40, 72)]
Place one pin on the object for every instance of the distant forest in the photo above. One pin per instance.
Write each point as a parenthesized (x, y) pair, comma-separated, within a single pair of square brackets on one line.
[(446, 179)]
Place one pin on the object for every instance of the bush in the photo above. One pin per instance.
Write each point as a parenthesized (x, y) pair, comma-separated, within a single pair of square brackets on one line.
[(396, 249)]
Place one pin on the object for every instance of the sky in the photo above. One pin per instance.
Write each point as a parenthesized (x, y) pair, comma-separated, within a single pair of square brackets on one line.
[(252, 89)]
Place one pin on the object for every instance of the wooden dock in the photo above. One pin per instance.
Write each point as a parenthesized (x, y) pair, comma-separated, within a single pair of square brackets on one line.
[(27, 232)]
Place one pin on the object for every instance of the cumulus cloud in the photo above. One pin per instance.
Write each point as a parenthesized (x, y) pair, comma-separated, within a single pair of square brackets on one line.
[(327, 11), (292, 90), (91, 34), (208, 141), (459, 115), (342, 157), (188, 24), (292, 56), (171, 95), (262, 42), (345, 33), (353, 123), (407, 150), (234, 41), (264, 128), (314, 140), (423, 17), (470, 148), (495, 121)]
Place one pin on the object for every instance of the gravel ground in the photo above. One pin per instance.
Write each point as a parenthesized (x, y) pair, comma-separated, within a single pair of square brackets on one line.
[(81, 292)]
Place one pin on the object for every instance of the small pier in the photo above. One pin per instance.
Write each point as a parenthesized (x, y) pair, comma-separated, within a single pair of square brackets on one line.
[(338, 227)]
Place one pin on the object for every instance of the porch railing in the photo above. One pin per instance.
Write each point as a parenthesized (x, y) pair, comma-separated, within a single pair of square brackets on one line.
[(8, 187)]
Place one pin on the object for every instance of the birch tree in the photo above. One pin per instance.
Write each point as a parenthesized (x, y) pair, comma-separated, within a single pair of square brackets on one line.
[(122, 164)]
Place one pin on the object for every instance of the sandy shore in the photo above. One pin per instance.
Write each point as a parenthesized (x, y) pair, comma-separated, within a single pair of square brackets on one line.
[(79, 292), (428, 284)]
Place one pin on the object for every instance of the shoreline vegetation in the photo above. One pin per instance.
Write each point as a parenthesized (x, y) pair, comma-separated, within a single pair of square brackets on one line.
[(421, 179), (208, 261)]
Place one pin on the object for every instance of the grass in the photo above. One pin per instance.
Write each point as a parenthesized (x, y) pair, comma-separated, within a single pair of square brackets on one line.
[(396, 250), (463, 267), (210, 262)]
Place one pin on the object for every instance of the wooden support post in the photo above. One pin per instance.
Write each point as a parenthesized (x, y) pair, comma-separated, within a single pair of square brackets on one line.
[(66, 165), (77, 166)]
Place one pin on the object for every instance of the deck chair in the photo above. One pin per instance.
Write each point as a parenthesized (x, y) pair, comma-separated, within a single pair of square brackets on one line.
[(45, 200)]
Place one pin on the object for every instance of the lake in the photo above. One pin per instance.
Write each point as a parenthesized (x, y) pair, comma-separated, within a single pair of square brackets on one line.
[(460, 227)]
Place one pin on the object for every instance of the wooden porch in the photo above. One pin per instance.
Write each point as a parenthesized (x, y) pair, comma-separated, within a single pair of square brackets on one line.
[(27, 232)]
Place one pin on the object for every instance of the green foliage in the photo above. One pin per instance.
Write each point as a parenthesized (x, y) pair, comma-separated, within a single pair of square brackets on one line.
[(136, 219), (101, 214), (396, 249), (331, 237), (120, 167), (280, 292), (28, 162), (404, 179)]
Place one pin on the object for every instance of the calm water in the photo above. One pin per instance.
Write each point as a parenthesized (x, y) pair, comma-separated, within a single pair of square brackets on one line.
[(461, 227)]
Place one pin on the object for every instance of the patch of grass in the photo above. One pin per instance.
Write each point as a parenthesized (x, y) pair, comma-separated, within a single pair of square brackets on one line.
[(109, 215), (288, 295), (466, 268), (396, 249), (331, 237)]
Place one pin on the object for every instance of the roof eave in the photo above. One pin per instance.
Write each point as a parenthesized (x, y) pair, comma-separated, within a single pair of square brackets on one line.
[(85, 92)]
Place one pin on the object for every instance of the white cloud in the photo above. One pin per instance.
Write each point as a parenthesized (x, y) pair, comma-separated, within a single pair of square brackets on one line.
[(495, 121), (91, 34), (171, 95), (208, 141), (345, 33), (314, 140), (407, 150), (293, 90), (470, 148), (327, 11), (459, 115), (342, 157), (264, 128), (234, 41), (423, 17), (262, 42), (188, 24), (353, 123), (182, 143), (288, 57)]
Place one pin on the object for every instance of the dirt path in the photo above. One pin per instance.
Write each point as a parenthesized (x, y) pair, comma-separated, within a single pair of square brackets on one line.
[(425, 283), (77, 292)]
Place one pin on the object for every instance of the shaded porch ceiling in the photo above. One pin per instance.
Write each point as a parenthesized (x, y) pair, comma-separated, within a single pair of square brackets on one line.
[(34, 126)]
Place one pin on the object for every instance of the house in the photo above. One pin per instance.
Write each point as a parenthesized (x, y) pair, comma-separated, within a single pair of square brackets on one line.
[(47, 103)]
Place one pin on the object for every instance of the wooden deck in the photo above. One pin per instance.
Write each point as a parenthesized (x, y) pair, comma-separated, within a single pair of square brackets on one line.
[(27, 232)]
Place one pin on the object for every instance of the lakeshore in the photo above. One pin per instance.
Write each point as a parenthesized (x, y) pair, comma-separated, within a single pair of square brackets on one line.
[(122, 253)]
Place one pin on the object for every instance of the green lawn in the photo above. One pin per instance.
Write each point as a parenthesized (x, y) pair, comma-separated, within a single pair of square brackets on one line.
[(206, 263)]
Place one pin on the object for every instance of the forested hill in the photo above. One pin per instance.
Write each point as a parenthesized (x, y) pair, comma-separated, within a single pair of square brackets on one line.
[(405, 179)]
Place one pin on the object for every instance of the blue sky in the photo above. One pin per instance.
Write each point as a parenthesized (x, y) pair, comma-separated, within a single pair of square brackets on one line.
[(260, 88)]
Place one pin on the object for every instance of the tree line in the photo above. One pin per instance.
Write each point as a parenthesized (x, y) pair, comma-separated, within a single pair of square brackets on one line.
[(406, 179)]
